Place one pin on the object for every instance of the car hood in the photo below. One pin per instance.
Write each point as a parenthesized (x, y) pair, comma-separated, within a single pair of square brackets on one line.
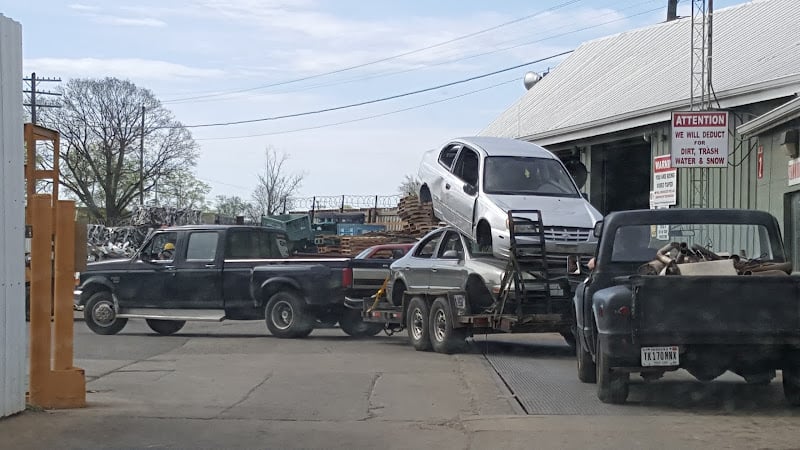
[(556, 211), (109, 264)]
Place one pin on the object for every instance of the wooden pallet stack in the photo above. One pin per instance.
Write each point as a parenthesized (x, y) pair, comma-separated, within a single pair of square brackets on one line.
[(353, 245), (418, 217)]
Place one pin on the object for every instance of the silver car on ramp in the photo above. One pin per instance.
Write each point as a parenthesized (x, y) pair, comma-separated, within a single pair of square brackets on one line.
[(473, 182)]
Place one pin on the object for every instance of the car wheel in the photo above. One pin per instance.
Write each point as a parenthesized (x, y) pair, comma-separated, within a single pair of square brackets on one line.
[(398, 292), (444, 337), (165, 327), (587, 371), (286, 316), (484, 236), (353, 324), (791, 385), (417, 323), (100, 315), (612, 387)]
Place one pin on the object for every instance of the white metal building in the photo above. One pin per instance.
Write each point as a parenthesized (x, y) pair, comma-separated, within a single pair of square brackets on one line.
[(13, 343), (610, 102)]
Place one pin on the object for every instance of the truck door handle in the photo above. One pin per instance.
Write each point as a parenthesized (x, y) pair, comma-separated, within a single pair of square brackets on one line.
[(433, 269), (169, 268), (210, 266)]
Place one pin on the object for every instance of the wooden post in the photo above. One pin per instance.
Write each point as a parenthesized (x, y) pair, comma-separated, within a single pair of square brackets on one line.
[(64, 284), (40, 209)]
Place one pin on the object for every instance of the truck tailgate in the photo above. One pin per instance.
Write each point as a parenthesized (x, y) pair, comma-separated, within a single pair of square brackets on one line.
[(718, 308)]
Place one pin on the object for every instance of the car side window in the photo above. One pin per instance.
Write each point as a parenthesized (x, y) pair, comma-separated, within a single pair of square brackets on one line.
[(451, 241), (384, 253), (202, 246), (448, 155), (466, 167), (161, 247), (428, 247)]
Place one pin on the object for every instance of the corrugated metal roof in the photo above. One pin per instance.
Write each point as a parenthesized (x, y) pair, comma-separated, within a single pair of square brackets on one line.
[(636, 77)]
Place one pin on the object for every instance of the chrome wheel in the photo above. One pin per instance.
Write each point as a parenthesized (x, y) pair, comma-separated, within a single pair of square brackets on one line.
[(417, 324), (103, 313), (282, 315), (440, 323)]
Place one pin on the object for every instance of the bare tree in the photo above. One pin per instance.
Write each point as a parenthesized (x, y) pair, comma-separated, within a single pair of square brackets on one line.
[(410, 186), (276, 187), (100, 123)]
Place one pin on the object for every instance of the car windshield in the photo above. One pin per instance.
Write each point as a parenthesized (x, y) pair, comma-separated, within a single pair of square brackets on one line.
[(521, 175), (639, 243)]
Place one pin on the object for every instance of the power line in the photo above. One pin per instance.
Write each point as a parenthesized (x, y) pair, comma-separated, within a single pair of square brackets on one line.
[(369, 102), (380, 60), (361, 119), (449, 61)]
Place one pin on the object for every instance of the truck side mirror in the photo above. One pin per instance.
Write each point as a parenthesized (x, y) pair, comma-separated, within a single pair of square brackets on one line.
[(598, 229)]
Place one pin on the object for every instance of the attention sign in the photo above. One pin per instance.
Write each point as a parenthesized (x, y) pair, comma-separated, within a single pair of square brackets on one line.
[(699, 139)]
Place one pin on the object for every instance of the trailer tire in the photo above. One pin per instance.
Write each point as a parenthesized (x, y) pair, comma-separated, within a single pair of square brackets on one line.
[(353, 324), (791, 385), (100, 315), (587, 371), (286, 316), (612, 387), (444, 337), (165, 327), (417, 318)]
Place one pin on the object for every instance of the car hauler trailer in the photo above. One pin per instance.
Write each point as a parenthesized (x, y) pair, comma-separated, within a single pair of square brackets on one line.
[(534, 294)]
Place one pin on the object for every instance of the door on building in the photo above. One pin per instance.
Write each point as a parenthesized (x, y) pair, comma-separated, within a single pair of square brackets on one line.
[(620, 175)]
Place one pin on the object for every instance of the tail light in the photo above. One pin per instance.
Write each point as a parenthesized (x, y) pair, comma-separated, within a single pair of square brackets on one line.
[(347, 277)]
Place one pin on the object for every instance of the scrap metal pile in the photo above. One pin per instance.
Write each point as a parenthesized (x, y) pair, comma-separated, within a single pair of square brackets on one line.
[(681, 259), (121, 242)]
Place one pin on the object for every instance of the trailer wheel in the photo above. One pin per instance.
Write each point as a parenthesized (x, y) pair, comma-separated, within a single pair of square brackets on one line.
[(444, 337), (612, 387), (352, 324), (791, 385), (417, 318), (286, 316), (100, 316), (165, 327), (587, 371)]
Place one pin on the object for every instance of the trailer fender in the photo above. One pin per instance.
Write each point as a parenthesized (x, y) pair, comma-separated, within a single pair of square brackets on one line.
[(459, 306)]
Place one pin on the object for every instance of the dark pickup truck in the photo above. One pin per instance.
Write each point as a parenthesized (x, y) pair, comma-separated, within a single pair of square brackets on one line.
[(717, 295), (214, 273)]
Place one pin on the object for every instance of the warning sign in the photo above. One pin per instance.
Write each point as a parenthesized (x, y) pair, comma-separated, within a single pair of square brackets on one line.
[(665, 182), (700, 139)]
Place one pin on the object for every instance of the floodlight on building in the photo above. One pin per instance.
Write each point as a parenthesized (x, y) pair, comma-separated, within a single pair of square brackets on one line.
[(531, 78)]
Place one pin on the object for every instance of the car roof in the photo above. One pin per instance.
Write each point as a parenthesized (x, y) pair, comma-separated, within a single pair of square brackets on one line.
[(493, 146)]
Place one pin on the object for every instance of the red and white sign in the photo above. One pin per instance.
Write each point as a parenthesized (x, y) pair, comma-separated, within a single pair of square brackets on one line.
[(760, 162), (700, 139), (794, 171), (665, 182)]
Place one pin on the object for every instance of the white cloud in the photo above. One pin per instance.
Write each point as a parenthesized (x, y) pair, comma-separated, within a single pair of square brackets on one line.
[(132, 68), (128, 21), (83, 8)]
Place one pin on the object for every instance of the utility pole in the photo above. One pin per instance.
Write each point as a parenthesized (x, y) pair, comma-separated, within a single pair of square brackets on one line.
[(141, 161), (32, 92)]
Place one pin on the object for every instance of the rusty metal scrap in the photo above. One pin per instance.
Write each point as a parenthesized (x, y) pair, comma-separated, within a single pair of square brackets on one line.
[(671, 255)]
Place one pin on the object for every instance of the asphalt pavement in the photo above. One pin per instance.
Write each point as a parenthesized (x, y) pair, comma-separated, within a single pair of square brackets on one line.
[(231, 385)]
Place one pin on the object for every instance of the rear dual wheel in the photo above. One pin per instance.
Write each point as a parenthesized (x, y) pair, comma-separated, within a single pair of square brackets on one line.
[(445, 338), (612, 386), (287, 317)]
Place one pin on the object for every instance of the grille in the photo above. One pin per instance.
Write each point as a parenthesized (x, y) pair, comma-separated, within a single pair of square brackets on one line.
[(567, 234)]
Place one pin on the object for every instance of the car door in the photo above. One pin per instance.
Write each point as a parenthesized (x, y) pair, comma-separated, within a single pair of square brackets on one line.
[(447, 269), (462, 189), (150, 271), (197, 279), (443, 181), (416, 268)]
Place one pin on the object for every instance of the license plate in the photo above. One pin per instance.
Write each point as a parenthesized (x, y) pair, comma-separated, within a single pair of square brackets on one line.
[(660, 356)]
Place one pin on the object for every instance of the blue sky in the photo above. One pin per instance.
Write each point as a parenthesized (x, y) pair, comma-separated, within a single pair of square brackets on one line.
[(194, 48)]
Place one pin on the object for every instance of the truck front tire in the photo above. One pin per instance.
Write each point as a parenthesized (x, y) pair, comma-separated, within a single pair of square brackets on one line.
[(165, 327), (587, 371), (100, 315), (352, 324), (286, 316)]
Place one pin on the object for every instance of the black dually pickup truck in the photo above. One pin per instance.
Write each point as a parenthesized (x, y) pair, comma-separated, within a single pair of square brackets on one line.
[(717, 295), (219, 272)]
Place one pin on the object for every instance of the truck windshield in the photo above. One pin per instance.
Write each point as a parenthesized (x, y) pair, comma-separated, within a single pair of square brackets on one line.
[(520, 175), (639, 243)]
